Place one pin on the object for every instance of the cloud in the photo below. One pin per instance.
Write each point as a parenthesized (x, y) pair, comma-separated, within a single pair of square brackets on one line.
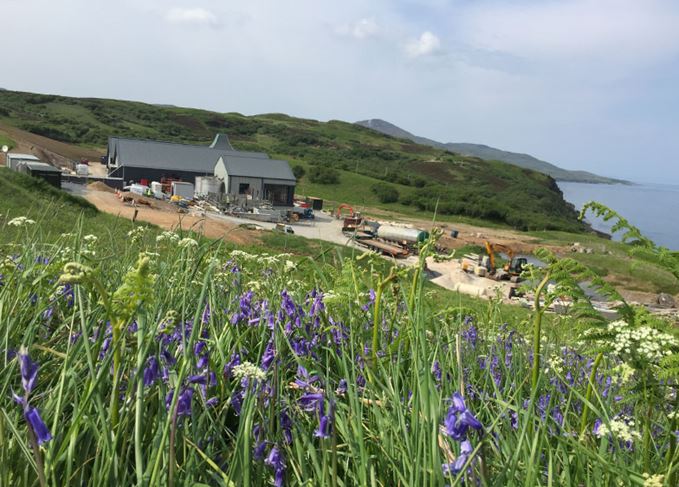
[(193, 16), (361, 29), (427, 44), (365, 28), (604, 34)]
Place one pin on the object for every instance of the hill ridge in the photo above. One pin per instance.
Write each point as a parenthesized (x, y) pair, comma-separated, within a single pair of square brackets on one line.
[(485, 151)]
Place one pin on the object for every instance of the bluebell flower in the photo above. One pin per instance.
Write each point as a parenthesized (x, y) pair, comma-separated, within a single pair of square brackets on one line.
[(268, 356), (342, 388), (38, 426), (451, 469), (28, 369), (276, 460), (286, 426), (311, 401), (459, 419), (436, 370), (258, 451), (151, 371), (324, 427)]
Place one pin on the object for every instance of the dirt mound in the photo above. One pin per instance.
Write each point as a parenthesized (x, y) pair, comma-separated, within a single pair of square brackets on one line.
[(99, 186)]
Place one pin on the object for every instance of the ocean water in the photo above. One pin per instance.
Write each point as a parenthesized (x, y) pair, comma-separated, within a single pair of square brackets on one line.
[(653, 208)]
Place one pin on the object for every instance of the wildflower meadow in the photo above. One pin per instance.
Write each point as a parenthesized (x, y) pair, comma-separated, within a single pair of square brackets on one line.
[(167, 359)]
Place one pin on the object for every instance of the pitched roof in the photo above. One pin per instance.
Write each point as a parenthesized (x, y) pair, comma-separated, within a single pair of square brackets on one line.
[(172, 156), (17, 156), (257, 168), (39, 166)]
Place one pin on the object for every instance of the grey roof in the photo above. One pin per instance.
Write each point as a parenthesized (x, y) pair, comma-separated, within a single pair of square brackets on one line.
[(39, 166), (172, 156), (257, 168), (26, 157)]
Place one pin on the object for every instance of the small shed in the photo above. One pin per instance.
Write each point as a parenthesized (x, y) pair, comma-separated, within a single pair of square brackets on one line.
[(41, 170), (265, 179), (14, 159)]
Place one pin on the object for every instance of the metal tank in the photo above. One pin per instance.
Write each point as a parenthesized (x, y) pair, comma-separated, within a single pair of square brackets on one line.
[(207, 184), (400, 234)]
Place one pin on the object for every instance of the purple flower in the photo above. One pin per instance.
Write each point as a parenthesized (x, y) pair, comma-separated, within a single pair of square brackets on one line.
[(28, 369), (276, 461), (514, 420), (286, 427), (436, 370), (342, 388), (324, 427), (258, 451), (269, 355), (38, 426), (311, 401), (183, 402), (459, 463), (151, 371), (459, 419), (304, 380)]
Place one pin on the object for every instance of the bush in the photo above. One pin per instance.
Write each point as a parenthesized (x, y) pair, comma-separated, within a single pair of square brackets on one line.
[(385, 193), (298, 171), (324, 175)]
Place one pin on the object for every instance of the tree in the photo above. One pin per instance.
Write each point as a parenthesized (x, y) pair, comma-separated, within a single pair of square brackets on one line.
[(298, 171), (385, 193), (323, 175)]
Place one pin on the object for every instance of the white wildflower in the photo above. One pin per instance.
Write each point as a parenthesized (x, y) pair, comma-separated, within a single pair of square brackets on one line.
[(20, 221), (171, 237), (187, 242), (250, 371), (643, 343), (673, 414), (657, 480), (620, 429), (137, 234), (255, 285), (90, 238), (555, 363), (624, 373), (289, 265), (244, 255)]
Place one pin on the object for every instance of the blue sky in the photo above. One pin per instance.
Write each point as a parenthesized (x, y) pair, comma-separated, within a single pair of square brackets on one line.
[(585, 84)]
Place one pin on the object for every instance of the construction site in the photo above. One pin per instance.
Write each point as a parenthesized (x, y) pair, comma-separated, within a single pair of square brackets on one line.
[(494, 273), (235, 195)]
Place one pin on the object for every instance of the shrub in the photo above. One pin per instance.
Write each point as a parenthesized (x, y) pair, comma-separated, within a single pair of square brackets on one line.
[(298, 171), (385, 193), (324, 175)]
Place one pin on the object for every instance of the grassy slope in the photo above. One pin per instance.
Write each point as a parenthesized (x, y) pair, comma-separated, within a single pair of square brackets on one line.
[(426, 177), (5, 140), (57, 212)]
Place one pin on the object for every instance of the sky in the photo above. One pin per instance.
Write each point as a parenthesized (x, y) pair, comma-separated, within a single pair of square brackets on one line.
[(584, 84)]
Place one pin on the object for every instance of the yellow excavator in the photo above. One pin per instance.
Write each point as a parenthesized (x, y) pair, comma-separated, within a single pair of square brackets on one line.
[(512, 269)]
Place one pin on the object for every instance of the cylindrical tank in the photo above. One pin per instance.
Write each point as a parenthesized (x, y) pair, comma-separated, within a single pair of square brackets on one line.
[(400, 234), (207, 184)]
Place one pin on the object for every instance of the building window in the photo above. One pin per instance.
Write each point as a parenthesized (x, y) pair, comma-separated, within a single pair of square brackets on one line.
[(244, 188)]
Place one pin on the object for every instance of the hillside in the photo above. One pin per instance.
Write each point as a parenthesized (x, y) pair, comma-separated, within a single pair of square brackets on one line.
[(491, 153), (426, 179)]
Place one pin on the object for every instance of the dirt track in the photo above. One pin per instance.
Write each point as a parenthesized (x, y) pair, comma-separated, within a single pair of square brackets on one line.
[(166, 216)]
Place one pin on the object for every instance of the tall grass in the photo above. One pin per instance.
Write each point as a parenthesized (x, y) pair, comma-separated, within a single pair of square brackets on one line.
[(203, 366)]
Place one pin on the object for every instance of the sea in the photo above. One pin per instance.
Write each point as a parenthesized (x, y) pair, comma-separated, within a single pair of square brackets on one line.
[(653, 208)]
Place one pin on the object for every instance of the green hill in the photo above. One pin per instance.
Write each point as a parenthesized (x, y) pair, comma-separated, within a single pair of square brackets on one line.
[(490, 153), (425, 178)]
